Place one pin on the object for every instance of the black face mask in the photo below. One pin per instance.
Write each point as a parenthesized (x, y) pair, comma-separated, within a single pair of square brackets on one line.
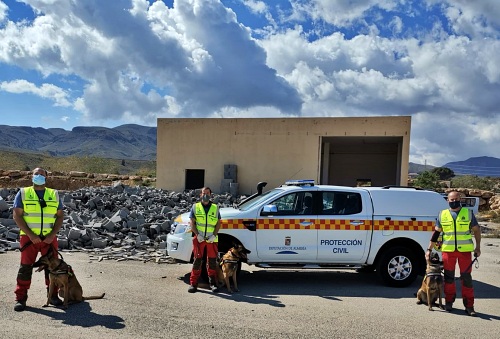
[(454, 204)]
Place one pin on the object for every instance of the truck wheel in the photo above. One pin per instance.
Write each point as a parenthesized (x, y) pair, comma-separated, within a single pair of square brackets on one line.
[(397, 267)]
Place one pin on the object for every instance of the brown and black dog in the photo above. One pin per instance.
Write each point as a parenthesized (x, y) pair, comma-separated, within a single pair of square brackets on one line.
[(228, 266), (61, 275), (432, 285)]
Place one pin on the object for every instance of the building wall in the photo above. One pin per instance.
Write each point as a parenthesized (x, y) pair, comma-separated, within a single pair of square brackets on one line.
[(268, 149)]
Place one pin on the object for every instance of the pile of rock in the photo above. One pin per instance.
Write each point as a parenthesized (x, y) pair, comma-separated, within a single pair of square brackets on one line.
[(113, 222), (71, 180), (486, 198)]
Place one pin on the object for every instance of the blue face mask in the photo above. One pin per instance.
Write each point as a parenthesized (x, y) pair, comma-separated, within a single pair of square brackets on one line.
[(38, 179)]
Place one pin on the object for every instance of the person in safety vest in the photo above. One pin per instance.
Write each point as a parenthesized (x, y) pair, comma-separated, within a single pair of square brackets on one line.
[(455, 226), (205, 224), (38, 212)]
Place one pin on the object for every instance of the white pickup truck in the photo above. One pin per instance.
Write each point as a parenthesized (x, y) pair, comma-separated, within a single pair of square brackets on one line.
[(300, 224)]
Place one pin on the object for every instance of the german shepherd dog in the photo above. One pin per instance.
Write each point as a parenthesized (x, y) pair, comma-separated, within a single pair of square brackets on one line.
[(432, 285), (228, 266), (61, 276)]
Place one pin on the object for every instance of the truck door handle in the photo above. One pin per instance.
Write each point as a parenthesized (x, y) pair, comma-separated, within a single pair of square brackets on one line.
[(305, 223), (356, 222)]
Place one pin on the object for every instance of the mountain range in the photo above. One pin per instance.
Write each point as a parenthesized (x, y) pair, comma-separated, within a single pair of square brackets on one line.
[(480, 166), (136, 142), (131, 141)]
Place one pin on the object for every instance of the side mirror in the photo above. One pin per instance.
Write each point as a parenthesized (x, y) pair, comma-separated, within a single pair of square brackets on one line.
[(269, 210)]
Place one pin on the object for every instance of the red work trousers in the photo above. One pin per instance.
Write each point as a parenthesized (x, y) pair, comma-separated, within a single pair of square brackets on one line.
[(464, 263), (198, 250), (28, 258)]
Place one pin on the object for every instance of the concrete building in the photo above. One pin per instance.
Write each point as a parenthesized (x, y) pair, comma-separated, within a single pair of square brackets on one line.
[(238, 153)]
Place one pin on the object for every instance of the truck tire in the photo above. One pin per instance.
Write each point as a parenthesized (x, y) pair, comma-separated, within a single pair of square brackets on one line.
[(397, 267)]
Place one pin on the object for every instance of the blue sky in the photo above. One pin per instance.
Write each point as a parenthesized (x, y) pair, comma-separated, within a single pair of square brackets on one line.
[(67, 63)]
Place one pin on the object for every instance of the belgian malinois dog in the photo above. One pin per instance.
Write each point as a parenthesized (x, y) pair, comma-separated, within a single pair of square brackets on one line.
[(61, 276), (228, 266), (432, 285)]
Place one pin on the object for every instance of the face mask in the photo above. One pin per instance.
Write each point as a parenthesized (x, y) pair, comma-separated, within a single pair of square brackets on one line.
[(38, 179), (205, 198), (454, 204)]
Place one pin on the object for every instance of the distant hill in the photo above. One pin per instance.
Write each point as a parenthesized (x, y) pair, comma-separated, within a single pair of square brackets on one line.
[(480, 166), (133, 142), (419, 168)]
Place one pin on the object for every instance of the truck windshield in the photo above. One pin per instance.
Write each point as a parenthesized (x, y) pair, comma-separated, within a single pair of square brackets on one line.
[(259, 199)]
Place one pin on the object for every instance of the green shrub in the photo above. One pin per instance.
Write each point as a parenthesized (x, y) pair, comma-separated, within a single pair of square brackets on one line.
[(473, 181), (427, 180)]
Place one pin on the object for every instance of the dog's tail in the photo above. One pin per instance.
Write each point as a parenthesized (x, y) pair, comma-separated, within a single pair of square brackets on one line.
[(94, 297)]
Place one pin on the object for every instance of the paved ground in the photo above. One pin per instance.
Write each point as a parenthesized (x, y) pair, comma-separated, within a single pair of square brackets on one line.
[(149, 300)]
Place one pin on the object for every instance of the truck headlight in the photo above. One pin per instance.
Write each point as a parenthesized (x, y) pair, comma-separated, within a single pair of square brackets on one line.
[(182, 228)]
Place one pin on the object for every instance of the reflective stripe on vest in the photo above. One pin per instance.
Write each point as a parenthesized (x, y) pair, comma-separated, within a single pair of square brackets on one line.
[(33, 213), (456, 233), (206, 222)]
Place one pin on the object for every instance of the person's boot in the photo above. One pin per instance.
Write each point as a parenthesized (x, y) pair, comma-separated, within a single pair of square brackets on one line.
[(470, 311), (192, 289), (213, 284), (20, 305), (448, 307)]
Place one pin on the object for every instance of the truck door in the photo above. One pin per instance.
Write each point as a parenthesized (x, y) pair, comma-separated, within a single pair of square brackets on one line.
[(289, 234), (344, 227)]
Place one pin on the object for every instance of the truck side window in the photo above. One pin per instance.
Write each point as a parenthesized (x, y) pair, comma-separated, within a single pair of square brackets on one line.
[(345, 203), (294, 204)]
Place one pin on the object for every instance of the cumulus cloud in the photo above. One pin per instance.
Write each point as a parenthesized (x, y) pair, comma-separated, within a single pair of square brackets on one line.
[(474, 18), (47, 91), (134, 61)]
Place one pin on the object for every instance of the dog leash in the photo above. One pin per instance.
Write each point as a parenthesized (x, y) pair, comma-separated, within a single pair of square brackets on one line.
[(29, 243), (473, 261)]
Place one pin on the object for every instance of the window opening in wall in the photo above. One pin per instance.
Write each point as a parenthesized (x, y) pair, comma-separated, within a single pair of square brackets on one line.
[(195, 178)]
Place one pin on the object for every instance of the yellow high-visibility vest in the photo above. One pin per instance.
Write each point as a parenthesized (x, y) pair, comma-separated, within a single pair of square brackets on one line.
[(456, 233), (206, 222), (39, 220)]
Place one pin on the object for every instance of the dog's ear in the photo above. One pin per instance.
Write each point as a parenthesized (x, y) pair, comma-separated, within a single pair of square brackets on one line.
[(246, 251)]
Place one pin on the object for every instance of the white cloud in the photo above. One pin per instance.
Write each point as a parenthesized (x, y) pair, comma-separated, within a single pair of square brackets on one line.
[(196, 50), (3, 11), (256, 6), (46, 91), (397, 25), (339, 12), (474, 18)]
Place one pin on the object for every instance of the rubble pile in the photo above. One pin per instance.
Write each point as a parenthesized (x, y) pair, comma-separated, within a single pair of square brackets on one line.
[(112, 222)]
